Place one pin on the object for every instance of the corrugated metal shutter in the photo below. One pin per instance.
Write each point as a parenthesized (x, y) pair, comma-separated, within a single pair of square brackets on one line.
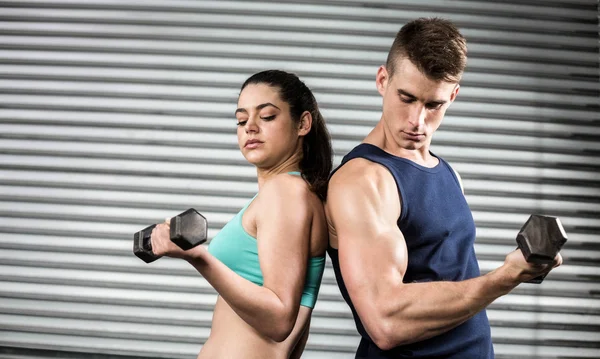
[(115, 114)]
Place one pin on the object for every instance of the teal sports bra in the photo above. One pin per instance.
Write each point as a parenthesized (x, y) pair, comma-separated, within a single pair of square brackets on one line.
[(239, 251)]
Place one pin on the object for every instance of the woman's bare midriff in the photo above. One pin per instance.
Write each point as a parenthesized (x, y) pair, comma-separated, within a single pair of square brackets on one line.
[(231, 337)]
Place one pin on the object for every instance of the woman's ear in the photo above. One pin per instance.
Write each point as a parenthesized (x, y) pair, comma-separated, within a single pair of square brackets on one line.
[(305, 124)]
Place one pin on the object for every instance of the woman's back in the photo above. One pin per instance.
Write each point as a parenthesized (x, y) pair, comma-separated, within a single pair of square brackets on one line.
[(231, 336)]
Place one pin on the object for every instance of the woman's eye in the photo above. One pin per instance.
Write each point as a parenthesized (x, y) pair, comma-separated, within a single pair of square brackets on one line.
[(268, 118), (242, 123)]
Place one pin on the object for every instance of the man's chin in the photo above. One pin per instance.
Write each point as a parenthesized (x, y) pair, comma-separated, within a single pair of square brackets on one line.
[(412, 145)]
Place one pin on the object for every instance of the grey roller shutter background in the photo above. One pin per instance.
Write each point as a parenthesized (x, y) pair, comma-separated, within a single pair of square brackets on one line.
[(115, 114)]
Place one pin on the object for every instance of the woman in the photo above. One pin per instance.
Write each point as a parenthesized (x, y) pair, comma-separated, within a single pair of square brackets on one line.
[(267, 262)]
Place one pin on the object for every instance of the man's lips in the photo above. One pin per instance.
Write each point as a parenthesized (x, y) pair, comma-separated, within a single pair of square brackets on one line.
[(414, 135)]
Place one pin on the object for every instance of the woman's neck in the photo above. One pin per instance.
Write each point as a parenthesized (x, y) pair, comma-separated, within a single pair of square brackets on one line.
[(264, 174)]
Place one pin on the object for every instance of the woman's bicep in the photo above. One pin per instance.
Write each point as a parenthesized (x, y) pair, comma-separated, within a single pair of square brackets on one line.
[(283, 232)]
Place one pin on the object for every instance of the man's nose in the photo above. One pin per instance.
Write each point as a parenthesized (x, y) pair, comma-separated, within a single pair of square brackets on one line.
[(417, 116)]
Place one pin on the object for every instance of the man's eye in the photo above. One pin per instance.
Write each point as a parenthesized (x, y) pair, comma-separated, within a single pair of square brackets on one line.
[(406, 100), (434, 106)]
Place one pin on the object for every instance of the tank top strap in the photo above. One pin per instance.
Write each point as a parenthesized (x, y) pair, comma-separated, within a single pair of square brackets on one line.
[(241, 212)]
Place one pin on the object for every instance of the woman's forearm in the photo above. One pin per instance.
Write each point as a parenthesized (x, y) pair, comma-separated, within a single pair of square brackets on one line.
[(258, 306)]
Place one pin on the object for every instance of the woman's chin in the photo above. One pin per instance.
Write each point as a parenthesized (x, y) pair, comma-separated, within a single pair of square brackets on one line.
[(256, 161)]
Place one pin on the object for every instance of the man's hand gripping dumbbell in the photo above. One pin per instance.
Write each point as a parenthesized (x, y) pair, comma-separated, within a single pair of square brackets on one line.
[(188, 229)]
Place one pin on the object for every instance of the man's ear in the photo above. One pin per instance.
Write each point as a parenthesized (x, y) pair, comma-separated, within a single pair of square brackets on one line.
[(305, 123), (382, 79), (454, 93)]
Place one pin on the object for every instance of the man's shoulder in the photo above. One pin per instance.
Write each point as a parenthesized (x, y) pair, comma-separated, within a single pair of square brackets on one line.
[(358, 171), (360, 178)]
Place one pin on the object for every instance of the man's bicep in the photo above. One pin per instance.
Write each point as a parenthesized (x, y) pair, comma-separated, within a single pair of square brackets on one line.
[(373, 273), (348, 210), (372, 262), (371, 248)]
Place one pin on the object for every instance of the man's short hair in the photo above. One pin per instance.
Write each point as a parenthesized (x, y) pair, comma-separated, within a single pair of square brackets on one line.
[(434, 46)]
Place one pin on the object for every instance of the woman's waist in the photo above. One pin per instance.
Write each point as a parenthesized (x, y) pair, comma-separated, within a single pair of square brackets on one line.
[(231, 336)]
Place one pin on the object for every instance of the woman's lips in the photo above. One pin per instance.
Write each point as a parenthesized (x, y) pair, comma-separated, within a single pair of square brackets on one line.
[(252, 144)]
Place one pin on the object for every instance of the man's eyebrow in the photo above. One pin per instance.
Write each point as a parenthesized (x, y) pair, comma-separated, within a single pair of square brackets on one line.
[(259, 107), (408, 94)]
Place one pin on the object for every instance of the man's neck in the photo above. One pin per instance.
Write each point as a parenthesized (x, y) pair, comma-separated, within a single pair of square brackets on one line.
[(421, 156)]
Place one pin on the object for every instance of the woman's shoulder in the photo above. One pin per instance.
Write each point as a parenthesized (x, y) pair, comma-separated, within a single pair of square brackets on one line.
[(287, 187), (287, 184)]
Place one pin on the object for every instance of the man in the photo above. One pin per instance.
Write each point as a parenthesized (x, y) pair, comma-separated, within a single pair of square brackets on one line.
[(401, 232)]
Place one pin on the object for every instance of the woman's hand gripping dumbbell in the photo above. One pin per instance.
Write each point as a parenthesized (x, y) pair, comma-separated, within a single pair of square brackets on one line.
[(188, 229)]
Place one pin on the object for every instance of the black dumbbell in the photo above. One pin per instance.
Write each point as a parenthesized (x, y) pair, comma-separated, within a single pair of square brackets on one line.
[(188, 229), (540, 240)]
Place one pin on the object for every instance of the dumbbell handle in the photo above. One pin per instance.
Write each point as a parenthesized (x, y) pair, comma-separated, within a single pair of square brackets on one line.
[(537, 280)]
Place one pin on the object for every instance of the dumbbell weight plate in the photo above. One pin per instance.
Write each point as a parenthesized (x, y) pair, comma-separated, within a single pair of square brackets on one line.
[(189, 229), (540, 239), (142, 247)]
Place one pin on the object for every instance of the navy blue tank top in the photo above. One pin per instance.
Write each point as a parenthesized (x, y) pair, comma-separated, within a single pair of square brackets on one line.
[(439, 231)]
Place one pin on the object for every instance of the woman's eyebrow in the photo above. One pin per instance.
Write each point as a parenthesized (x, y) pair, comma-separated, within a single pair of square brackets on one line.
[(259, 107)]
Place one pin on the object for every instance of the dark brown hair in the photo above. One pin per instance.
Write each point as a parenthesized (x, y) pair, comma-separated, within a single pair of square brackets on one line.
[(434, 46), (317, 154)]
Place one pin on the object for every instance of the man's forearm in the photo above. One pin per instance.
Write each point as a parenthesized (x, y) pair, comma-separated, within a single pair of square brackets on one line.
[(424, 310)]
